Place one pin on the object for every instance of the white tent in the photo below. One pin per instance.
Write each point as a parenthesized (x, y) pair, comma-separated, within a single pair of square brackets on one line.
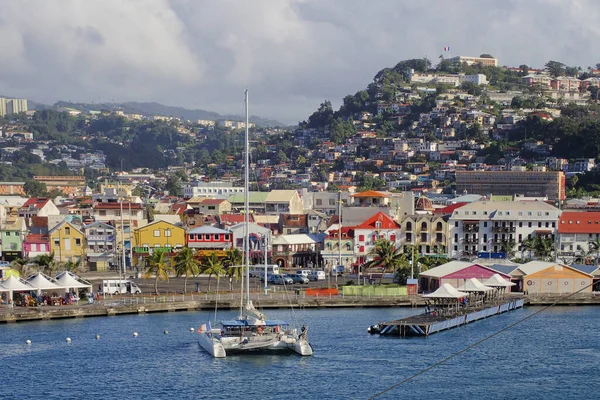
[(13, 284), (473, 285), (69, 280), (498, 281), (41, 282), (446, 291)]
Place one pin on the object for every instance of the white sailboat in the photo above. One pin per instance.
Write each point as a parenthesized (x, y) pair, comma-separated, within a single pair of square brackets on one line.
[(251, 331)]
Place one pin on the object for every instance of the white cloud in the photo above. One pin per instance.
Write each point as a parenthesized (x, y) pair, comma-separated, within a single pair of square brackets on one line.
[(291, 54)]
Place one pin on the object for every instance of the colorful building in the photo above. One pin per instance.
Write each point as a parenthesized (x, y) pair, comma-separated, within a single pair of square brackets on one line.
[(208, 239), (67, 242), (541, 277), (456, 273), (158, 235), (12, 239)]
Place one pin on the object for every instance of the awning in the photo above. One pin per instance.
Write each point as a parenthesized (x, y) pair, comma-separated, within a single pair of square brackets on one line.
[(446, 291), (498, 281), (473, 285)]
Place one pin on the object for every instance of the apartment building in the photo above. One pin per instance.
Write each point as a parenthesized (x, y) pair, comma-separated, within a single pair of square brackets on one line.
[(509, 183), (491, 226), (576, 230), (210, 189)]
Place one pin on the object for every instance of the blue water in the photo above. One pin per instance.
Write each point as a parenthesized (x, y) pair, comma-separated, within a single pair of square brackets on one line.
[(553, 355)]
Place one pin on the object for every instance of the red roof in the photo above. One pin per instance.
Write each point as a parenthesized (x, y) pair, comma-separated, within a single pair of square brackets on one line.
[(579, 222), (36, 202), (178, 208), (370, 193), (232, 219), (347, 232), (386, 222), (32, 238), (449, 209), (212, 201)]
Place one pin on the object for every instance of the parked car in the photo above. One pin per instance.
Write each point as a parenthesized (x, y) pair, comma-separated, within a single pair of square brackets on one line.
[(304, 272), (269, 278), (278, 279), (317, 276), (298, 278)]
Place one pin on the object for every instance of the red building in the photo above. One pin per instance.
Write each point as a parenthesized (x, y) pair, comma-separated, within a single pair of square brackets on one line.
[(207, 239)]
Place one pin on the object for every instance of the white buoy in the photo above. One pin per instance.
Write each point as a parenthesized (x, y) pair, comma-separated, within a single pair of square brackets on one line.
[(191, 329), (135, 334), (28, 341), (166, 332), (97, 337), (68, 340)]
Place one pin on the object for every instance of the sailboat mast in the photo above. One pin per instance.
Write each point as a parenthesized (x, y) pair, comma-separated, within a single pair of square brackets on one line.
[(247, 205)]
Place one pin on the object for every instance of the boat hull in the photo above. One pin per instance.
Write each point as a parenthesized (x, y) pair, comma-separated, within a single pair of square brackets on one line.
[(211, 345)]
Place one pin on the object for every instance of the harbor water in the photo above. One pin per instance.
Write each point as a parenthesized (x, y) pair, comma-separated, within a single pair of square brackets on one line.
[(552, 355)]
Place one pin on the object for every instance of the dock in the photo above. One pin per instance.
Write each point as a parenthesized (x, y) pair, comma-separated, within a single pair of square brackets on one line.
[(429, 323)]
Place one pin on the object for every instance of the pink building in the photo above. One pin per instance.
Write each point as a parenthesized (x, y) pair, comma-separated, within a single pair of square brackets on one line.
[(456, 273), (36, 245)]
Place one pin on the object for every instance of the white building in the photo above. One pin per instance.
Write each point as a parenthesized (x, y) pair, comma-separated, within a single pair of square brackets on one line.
[(489, 226), (576, 229), (210, 189)]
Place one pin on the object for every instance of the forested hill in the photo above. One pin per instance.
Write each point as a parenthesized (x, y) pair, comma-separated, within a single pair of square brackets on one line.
[(152, 108)]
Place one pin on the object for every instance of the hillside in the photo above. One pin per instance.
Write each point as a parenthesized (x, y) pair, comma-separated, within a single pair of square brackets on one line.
[(153, 108)]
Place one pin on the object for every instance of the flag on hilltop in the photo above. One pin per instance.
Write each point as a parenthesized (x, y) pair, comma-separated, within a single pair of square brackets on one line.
[(447, 48)]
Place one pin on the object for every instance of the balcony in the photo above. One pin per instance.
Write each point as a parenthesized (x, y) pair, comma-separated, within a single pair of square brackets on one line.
[(471, 240), (471, 228), (503, 229)]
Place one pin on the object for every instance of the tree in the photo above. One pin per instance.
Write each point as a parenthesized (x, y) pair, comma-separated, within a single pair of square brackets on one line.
[(320, 118), (35, 188), (524, 69), (486, 55), (73, 266), (572, 71), (594, 246), (555, 68), (386, 256), (508, 247), (159, 264), (212, 266), (233, 264), (186, 264), (174, 185), (46, 263)]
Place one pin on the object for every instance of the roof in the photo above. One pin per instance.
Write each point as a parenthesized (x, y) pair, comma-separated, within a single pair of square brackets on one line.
[(446, 291), (496, 210), (449, 209), (36, 202), (294, 239), (386, 222), (497, 281), (71, 281), (505, 269), (207, 229), (474, 285), (209, 202), (253, 197), (371, 193), (579, 222), (588, 269), (278, 196), (229, 219), (535, 266), (446, 269), (33, 238)]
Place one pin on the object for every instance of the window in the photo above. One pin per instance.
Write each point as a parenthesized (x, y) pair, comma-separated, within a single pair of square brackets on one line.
[(529, 224), (167, 233), (191, 237), (485, 224), (77, 242), (424, 225), (217, 237), (226, 237), (331, 202), (103, 213), (56, 242), (117, 213), (554, 224), (67, 230), (520, 224), (456, 224), (539, 224), (319, 202), (156, 233), (361, 238), (378, 225)]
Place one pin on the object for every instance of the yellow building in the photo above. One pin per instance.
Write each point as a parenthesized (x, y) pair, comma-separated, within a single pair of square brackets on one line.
[(159, 234), (67, 242)]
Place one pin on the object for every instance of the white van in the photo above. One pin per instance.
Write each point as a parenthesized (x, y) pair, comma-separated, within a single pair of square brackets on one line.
[(317, 276), (304, 272), (119, 286), (259, 270)]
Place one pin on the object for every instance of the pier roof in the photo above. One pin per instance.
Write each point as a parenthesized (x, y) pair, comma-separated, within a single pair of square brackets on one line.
[(446, 291), (446, 269)]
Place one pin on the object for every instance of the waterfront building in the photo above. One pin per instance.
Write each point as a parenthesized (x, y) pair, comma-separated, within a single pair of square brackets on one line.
[(36, 245), (456, 273), (527, 183), (541, 277), (331, 247), (366, 234), (576, 231), (293, 251), (101, 245), (429, 233), (496, 228), (12, 236), (67, 242), (208, 239), (158, 235)]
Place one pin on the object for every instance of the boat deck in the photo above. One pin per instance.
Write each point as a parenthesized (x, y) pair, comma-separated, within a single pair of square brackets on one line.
[(427, 324)]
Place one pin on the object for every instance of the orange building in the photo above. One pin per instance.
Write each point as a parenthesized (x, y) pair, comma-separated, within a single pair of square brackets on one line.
[(540, 277), (12, 188), (67, 184)]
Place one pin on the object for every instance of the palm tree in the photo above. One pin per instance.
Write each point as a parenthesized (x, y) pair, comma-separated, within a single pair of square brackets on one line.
[(186, 264), (527, 245), (543, 247), (159, 264), (23, 266), (212, 266), (73, 266), (508, 247), (233, 264), (386, 256), (46, 263), (582, 256)]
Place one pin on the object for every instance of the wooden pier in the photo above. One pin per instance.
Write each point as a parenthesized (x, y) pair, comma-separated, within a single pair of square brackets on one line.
[(430, 323)]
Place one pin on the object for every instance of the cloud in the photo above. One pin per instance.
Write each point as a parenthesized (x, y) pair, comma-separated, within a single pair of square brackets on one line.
[(291, 54)]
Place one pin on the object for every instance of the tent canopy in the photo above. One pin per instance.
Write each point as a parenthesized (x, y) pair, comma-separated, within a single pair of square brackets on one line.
[(473, 285), (42, 282), (498, 281), (69, 280), (446, 291), (14, 284)]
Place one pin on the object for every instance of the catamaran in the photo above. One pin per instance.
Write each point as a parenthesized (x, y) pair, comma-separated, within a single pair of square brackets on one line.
[(251, 331)]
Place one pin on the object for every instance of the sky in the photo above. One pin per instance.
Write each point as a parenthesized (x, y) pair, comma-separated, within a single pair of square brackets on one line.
[(290, 54)]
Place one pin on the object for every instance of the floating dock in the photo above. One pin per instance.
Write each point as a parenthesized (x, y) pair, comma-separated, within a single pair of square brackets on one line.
[(428, 324)]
